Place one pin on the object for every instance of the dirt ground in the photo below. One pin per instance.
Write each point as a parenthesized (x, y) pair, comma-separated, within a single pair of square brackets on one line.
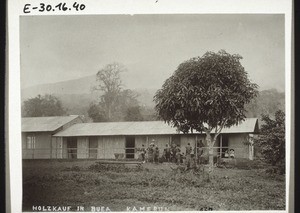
[(151, 187)]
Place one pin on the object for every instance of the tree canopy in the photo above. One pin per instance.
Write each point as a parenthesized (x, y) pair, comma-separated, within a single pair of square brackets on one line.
[(212, 90), (109, 83), (96, 113), (206, 94), (116, 103), (133, 114), (47, 105)]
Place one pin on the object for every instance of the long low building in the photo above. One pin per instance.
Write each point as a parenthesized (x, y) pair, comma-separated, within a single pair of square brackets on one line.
[(68, 138), (109, 140)]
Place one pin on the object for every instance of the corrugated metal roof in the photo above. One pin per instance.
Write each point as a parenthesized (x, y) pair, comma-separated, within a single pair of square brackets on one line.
[(45, 124), (249, 125), (142, 128)]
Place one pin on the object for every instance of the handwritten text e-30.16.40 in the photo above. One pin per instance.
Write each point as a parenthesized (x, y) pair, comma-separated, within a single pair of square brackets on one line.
[(28, 8)]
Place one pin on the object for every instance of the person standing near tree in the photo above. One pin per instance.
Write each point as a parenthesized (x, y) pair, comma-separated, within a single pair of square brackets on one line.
[(188, 153), (143, 153), (150, 153), (173, 153), (156, 154), (198, 151), (167, 153), (178, 154)]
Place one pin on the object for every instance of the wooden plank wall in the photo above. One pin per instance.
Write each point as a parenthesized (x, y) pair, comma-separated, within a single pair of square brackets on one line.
[(109, 145)]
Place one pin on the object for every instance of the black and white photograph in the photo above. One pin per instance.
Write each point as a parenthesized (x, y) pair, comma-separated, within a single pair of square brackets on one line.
[(153, 112)]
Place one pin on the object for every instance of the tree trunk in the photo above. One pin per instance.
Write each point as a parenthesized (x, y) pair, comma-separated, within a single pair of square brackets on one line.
[(109, 114), (108, 110), (210, 151), (211, 142)]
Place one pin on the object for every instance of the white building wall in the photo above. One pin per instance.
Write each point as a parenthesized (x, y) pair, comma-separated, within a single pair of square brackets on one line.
[(236, 142), (42, 148), (109, 145), (57, 147)]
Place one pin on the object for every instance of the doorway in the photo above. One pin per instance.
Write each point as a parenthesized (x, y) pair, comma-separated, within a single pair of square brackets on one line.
[(175, 140), (224, 144), (72, 147), (129, 147)]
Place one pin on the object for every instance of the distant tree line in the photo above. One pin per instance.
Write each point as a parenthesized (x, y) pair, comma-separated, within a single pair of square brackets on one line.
[(267, 102), (40, 106)]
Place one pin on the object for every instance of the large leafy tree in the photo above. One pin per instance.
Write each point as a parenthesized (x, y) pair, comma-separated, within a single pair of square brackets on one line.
[(271, 139), (206, 94), (47, 105), (127, 106), (110, 84), (116, 103)]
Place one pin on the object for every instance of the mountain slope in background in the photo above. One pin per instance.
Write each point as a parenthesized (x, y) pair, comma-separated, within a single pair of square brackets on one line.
[(80, 90), (267, 102), (76, 86)]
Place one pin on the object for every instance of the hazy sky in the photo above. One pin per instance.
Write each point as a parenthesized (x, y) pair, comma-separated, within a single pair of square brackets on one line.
[(58, 48)]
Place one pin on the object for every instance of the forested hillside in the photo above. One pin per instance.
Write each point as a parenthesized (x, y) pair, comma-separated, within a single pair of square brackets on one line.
[(267, 102), (76, 96)]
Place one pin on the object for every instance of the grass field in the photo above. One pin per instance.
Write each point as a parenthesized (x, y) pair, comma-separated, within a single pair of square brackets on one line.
[(85, 183)]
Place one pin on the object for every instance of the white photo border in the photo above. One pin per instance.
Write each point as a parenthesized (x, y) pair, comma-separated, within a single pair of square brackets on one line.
[(93, 7)]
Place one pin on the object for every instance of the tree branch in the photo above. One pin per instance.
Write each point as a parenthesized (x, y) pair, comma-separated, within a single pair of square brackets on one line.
[(221, 127), (206, 130)]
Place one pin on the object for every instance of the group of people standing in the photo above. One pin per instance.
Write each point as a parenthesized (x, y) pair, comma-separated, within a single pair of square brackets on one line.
[(151, 154), (171, 154)]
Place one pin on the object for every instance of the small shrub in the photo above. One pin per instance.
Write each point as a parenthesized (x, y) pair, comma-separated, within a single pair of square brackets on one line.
[(276, 170), (72, 168), (271, 140), (99, 167)]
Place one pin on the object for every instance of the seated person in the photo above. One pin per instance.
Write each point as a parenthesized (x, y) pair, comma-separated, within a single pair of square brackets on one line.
[(231, 153), (226, 155)]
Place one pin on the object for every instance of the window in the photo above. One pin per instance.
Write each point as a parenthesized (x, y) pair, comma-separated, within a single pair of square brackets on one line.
[(30, 142), (72, 147)]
